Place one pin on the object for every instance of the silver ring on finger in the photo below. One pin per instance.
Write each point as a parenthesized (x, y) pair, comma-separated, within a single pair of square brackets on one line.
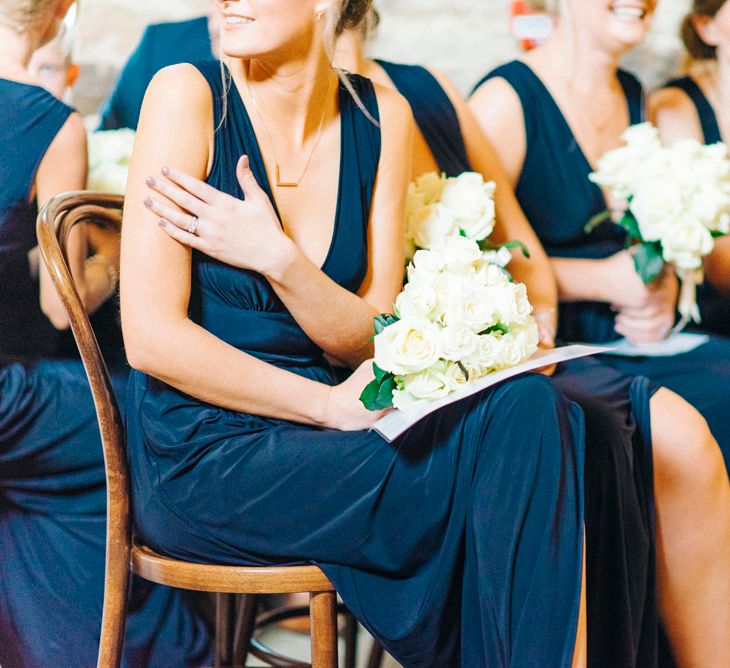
[(193, 227)]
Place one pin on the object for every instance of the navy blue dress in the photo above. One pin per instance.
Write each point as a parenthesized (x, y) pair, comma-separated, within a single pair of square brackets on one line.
[(714, 307), (457, 545), (162, 44), (52, 491), (621, 563), (559, 200)]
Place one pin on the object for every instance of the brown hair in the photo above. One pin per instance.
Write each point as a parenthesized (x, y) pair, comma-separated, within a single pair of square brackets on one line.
[(353, 15), (699, 49), (23, 14)]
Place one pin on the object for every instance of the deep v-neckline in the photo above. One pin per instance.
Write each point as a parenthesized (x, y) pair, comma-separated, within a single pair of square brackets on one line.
[(256, 158), (583, 156)]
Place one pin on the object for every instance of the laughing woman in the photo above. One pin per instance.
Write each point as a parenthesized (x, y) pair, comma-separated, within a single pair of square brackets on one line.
[(550, 117), (458, 544), (698, 107)]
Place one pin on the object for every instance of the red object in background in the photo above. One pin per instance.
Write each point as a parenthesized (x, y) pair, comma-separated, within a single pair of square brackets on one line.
[(529, 27)]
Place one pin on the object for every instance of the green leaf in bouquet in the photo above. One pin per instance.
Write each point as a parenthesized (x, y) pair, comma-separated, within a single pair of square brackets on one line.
[(631, 225), (378, 393), (384, 320), (597, 221), (380, 374), (515, 243), (499, 327), (716, 234), (648, 260), (462, 233)]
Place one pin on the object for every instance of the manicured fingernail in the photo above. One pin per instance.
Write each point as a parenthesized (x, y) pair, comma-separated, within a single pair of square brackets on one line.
[(150, 181), (245, 161), (166, 171), (148, 202), (162, 223)]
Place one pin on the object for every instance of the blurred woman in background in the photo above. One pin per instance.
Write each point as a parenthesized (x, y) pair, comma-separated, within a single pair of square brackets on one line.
[(52, 492)]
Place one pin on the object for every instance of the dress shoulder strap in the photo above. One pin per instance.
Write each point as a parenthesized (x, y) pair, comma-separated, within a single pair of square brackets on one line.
[(708, 119), (434, 113)]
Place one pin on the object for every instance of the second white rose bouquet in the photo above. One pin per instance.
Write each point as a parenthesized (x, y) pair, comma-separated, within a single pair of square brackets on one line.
[(678, 201), (458, 318), (109, 155)]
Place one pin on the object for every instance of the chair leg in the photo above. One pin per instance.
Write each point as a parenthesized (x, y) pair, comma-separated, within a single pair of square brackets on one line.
[(245, 622), (351, 634), (376, 655), (323, 614), (223, 630), (114, 612)]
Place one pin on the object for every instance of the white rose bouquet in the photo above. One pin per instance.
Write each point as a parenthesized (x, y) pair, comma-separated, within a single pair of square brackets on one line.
[(441, 206), (109, 154), (678, 201), (458, 318)]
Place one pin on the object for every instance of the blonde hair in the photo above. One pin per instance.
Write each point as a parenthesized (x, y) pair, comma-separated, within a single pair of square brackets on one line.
[(24, 14)]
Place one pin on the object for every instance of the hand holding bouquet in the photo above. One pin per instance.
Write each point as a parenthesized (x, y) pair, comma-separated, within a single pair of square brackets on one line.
[(678, 201)]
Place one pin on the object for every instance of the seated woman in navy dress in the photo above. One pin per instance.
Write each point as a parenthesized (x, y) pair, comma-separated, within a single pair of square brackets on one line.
[(460, 544), (162, 44), (550, 116), (694, 107), (52, 491), (619, 468)]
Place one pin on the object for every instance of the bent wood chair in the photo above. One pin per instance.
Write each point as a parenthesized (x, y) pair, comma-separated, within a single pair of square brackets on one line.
[(123, 553)]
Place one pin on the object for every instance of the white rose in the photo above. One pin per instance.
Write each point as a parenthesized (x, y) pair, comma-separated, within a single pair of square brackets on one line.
[(685, 244), (430, 186), (487, 355), (458, 342), (460, 254), (470, 306), (457, 375), (510, 351), (657, 205), (429, 224), (418, 300), (471, 201), (427, 385), (408, 346), (490, 274), (501, 257), (426, 266), (527, 336)]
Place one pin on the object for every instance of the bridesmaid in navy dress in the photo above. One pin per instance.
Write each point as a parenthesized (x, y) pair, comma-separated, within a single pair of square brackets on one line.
[(619, 487), (693, 107), (458, 544), (52, 492), (546, 115)]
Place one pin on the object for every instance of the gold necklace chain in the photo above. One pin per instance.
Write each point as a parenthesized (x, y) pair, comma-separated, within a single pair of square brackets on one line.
[(279, 182)]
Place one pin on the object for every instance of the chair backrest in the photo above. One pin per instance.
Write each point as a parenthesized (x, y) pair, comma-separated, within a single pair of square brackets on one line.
[(55, 221)]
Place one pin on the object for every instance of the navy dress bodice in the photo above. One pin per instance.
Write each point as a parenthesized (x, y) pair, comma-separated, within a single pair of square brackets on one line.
[(434, 113), (30, 121), (426, 540), (240, 306), (558, 199), (162, 44), (714, 307)]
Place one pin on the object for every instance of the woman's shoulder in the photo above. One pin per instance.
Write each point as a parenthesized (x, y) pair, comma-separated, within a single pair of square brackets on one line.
[(673, 111), (184, 86)]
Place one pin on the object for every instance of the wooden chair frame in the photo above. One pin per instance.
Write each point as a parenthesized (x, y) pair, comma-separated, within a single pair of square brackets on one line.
[(55, 220)]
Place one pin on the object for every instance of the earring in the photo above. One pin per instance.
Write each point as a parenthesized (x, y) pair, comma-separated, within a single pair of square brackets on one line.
[(320, 14)]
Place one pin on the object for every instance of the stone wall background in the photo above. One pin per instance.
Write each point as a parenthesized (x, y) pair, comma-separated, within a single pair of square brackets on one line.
[(464, 38)]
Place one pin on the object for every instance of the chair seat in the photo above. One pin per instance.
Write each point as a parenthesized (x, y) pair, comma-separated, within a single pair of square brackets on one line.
[(227, 579)]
